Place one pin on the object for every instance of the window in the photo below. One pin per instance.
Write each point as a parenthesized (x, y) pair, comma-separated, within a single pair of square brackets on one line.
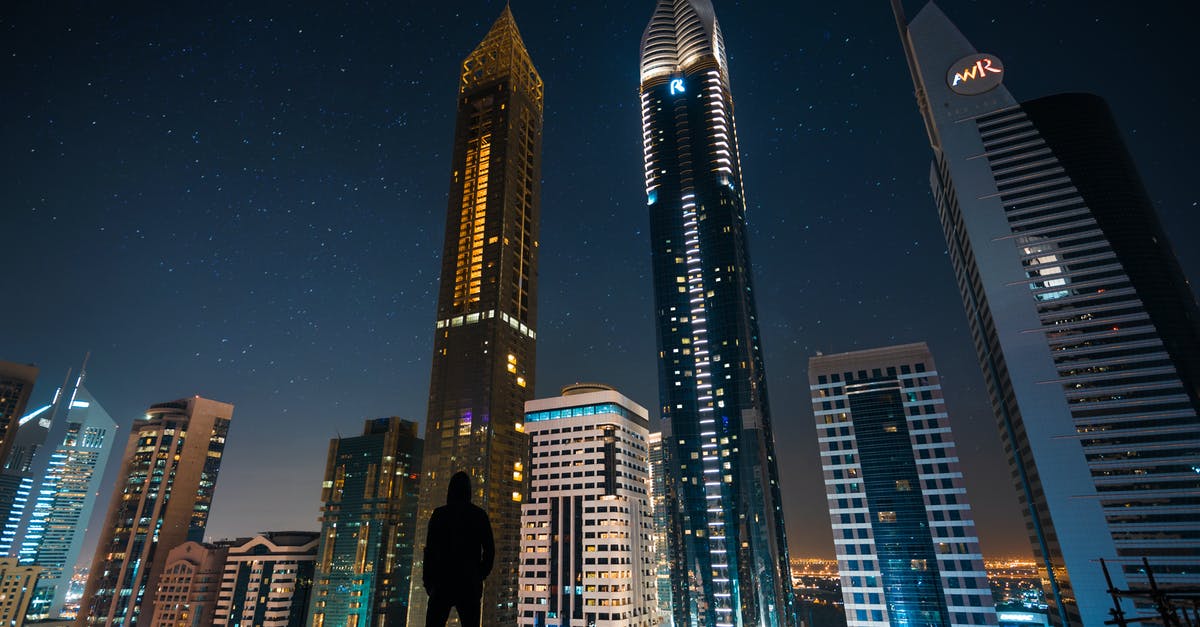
[(887, 517)]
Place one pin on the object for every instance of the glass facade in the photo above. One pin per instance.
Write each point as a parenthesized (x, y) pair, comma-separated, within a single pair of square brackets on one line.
[(732, 565), (63, 506), (906, 544), (368, 521), (1087, 331), (485, 338)]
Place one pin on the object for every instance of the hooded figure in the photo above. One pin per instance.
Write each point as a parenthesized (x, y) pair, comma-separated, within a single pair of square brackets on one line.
[(459, 551)]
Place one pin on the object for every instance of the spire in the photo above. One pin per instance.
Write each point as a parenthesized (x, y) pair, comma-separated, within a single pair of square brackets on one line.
[(680, 35), (502, 54)]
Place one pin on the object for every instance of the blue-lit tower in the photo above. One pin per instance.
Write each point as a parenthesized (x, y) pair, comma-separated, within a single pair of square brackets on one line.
[(732, 566)]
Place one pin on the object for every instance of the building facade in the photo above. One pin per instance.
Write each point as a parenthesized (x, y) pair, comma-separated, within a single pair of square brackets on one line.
[(1087, 331), (64, 499), (483, 349), (268, 580), (903, 531), (16, 590), (187, 590), (162, 499), (587, 527), (368, 519), (733, 566), (663, 503), (16, 386)]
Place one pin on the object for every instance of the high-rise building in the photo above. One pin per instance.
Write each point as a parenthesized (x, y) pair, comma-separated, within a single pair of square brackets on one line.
[(16, 590), (483, 348), (187, 589), (663, 503), (588, 554), (903, 531), (64, 499), (1087, 332), (268, 580), (162, 499), (368, 520), (20, 435), (16, 385), (733, 566)]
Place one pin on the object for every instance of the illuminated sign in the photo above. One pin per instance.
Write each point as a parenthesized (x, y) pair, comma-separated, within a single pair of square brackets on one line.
[(974, 75), (677, 86)]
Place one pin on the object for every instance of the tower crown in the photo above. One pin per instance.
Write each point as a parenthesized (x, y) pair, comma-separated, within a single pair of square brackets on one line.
[(681, 34), (502, 54)]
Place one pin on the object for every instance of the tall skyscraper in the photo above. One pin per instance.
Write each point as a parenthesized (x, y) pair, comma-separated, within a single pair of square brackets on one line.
[(905, 539), (268, 580), (483, 349), (64, 499), (587, 526), (16, 385), (733, 568), (367, 527), (1087, 332), (162, 499), (663, 503)]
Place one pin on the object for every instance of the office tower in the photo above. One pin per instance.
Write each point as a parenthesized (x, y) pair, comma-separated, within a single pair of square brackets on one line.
[(483, 348), (64, 499), (367, 526), (905, 539), (587, 525), (1087, 331), (267, 580), (187, 589), (162, 498), (16, 589), (16, 385), (663, 503), (734, 567)]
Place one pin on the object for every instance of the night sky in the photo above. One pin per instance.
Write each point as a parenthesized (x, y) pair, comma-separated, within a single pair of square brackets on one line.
[(247, 203)]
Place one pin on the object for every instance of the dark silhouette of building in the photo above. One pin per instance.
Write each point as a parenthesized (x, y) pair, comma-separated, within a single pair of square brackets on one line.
[(483, 349), (459, 554), (1087, 331), (730, 558), (368, 519), (16, 385)]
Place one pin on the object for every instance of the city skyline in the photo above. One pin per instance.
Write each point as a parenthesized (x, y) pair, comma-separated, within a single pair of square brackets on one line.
[(125, 371)]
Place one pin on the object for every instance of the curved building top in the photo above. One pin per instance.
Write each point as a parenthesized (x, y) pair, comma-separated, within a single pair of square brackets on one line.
[(681, 35)]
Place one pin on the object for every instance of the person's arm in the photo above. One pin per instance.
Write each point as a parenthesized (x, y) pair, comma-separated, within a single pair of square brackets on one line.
[(489, 547)]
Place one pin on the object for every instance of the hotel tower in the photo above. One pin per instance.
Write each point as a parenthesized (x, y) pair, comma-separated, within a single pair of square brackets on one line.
[(903, 531), (1087, 332), (731, 550), (483, 348)]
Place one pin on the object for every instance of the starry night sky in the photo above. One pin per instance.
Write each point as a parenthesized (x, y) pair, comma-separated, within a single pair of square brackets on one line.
[(247, 203)]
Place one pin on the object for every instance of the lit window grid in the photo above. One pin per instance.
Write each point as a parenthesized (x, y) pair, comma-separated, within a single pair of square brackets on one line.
[(942, 532)]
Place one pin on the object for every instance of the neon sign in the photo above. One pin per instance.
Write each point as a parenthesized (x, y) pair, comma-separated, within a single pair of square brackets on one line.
[(974, 75), (677, 86)]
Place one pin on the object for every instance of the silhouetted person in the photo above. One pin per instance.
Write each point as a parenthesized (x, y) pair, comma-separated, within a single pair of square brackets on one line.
[(459, 551)]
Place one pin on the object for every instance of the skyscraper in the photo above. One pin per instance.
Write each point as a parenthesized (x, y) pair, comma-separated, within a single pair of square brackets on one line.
[(483, 349), (65, 497), (16, 590), (733, 568), (367, 527), (905, 539), (588, 556), (1087, 332), (187, 589), (161, 500), (663, 503), (16, 385), (268, 580)]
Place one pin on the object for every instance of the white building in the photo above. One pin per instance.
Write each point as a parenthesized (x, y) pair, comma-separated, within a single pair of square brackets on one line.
[(586, 546)]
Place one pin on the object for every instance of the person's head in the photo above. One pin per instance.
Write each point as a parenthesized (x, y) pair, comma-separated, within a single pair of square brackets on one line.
[(460, 488)]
